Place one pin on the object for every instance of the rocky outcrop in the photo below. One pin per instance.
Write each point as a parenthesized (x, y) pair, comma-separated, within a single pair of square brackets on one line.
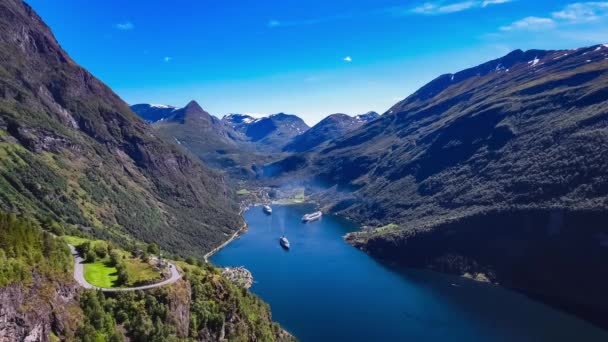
[(239, 276), (33, 313), (179, 307)]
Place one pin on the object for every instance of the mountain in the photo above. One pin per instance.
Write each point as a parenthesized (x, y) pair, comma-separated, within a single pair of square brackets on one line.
[(330, 128), (153, 112), (75, 159), (211, 140), (274, 131), (238, 122), (499, 169), (73, 151)]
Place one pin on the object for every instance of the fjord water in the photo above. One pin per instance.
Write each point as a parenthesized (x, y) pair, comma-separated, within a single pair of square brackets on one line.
[(323, 289)]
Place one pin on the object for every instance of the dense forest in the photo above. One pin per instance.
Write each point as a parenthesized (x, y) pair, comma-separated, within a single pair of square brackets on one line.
[(35, 263), (25, 248)]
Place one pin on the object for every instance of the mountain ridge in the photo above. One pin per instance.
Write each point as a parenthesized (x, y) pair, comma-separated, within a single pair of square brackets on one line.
[(331, 127), (75, 159), (74, 150), (497, 170)]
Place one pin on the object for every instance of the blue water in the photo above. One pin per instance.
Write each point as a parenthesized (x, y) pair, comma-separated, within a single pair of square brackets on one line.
[(323, 289)]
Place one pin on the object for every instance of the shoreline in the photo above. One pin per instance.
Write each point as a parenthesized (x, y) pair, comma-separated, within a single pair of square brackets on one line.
[(232, 237), (225, 243)]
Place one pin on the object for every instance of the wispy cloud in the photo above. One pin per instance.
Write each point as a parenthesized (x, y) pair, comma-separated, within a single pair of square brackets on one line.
[(126, 26), (443, 7), (430, 8), (572, 14), (348, 59), (583, 12), (427, 8), (530, 24), (310, 21), (167, 59), (487, 3), (274, 23), (579, 23)]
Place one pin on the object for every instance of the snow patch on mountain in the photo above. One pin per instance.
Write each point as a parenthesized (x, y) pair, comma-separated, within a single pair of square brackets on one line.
[(534, 61), (161, 106)]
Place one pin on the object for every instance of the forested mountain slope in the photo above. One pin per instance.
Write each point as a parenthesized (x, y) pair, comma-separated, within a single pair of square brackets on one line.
[(72, 150), (40, 300), (499, 169), (73, 157), (527, 129), (216, 143)]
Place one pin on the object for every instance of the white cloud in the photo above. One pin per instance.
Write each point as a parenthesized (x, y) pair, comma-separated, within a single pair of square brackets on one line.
[(530, 24), (575, 13), (434, 7), (430, 8), (274, 23), (443, 7), (126, 26), (583, 12), (167, 59), (579, 23), (348, 59), (309, 21), (494, 2)]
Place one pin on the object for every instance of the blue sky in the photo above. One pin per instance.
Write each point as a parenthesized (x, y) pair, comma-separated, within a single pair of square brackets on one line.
[(307, 57)]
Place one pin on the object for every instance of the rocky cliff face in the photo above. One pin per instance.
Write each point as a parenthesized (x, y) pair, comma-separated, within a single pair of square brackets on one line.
[(33, 313), (73, 150)]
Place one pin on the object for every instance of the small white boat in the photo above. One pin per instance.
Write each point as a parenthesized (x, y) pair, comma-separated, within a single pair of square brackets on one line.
[(284, 242), (267, 209), (312, 217)]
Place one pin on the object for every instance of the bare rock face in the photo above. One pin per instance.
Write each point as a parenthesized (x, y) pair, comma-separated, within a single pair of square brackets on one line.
[(239, 276), (179, 306), (33, 313)]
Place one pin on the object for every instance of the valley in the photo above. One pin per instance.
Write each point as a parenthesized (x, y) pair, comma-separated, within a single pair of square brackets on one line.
[(474, 208), (495, 171)]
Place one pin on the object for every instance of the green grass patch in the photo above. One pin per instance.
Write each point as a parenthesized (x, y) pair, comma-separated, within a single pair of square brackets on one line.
[(389, 227), (100, 274), (75, 240), (297, 197), (140, 271)]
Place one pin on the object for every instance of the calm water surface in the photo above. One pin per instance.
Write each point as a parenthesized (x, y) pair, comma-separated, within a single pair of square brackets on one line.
[(323, 289)]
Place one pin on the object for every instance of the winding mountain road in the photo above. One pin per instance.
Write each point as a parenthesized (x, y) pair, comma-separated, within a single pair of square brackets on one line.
[(79, 277)]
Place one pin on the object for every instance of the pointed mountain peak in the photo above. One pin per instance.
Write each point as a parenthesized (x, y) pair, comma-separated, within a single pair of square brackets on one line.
[(193, 106), (191, 112)]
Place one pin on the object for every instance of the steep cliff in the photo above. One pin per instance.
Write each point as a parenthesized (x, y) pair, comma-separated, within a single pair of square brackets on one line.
[(72, 150)]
